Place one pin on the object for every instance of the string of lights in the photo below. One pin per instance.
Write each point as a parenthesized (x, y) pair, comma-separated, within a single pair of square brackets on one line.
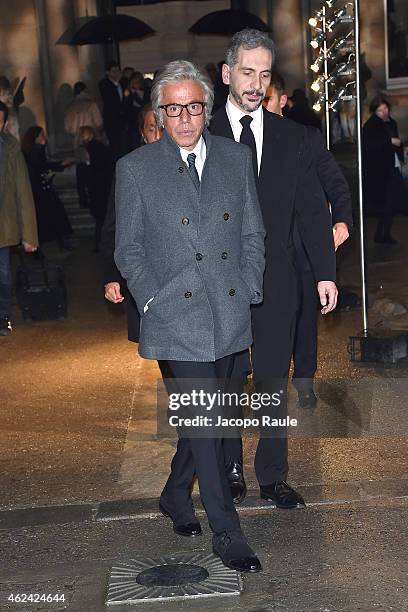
[(335, 42), (334, 62)]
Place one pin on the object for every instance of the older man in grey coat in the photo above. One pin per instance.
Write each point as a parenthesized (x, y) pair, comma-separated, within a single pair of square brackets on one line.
[(190, 243)]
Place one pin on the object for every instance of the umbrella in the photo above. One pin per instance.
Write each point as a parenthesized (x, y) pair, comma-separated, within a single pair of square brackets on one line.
[(228, 22), (106, 29)]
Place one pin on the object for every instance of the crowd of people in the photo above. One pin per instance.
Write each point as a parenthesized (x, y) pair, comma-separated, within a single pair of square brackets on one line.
[(223, 253)]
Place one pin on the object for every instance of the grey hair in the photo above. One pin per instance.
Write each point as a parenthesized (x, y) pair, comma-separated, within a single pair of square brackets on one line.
[(248, 39), (174, 72)]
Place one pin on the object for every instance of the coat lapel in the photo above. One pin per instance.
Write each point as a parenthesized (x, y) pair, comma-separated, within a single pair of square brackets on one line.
[(271, 152)]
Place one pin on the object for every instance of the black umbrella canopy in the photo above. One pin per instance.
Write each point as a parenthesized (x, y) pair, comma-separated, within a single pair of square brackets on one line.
[(66, 37), (109, 28), (228, 22)]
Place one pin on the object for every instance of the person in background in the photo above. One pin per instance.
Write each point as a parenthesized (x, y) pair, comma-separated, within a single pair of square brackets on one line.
[(338, 195), (276, 98), (6, 96), (150, 132), (53, 223), (124, 80), (133, 104), (301, 111), (383, 156), (113, 110), (83, 110), (17, 214), (100, 174)]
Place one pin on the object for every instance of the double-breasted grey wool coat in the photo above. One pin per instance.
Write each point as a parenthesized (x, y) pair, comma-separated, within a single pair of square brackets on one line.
[(198, 253)]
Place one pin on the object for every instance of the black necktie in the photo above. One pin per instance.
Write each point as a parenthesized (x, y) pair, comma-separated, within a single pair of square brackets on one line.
[(247, 137), (191, 157)]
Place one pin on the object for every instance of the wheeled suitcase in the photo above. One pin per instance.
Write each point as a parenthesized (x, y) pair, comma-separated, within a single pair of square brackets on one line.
[(40, 288)]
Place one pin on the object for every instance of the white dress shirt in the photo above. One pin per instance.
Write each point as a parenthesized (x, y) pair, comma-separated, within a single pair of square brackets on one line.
[(200, 151), (234, 115), (118, 87)]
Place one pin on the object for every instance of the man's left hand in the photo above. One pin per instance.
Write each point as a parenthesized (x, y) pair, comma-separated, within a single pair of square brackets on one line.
[(29, 248), (328, 295), (340, 234)]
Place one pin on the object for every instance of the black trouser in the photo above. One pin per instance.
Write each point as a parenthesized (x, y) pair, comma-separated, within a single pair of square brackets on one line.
[(5, 282), (82, 181), (202, 457), (273, 331), (305, 347)]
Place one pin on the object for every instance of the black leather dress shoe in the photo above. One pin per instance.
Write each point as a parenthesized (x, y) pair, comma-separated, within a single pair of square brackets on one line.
[(307, 398), (190, 529), (235, 476), (282, 495), (233, 550)]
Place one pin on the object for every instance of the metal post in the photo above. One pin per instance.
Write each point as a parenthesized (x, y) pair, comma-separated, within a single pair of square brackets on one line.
[(326, 76), (360, 168)]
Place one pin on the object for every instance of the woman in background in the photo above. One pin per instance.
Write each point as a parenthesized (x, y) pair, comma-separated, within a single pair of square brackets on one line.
[(52, 220), (100, 165), (384, 191)]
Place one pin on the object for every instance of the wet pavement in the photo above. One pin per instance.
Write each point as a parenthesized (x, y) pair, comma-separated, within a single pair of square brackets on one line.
[(81, 466)]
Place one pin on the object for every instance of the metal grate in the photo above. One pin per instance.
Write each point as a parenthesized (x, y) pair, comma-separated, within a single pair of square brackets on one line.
[(181, 576)]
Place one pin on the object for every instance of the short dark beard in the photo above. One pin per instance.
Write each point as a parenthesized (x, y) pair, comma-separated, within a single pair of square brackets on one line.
[(245, 107)]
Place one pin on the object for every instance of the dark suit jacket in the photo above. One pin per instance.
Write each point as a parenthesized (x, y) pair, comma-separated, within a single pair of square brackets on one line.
[(334, 186), (113, 110), (288, 189), (110, 272), (331, 179)]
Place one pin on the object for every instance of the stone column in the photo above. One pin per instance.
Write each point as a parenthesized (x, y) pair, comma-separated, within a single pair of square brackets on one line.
[(286, 20), (60, 66)]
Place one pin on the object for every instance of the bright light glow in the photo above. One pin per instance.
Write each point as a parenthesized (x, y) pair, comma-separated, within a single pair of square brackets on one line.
[(315, 42), (316, 85), (315, 67), (317, 107), (313, 22)]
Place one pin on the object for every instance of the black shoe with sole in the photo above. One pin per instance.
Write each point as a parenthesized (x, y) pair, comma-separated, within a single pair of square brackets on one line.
[(5, 326), (235, 477), (189, 529), (234, 551), (282, 495), (307, 398)]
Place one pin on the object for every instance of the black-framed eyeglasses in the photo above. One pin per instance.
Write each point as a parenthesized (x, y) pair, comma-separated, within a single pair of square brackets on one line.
[(175, 110)]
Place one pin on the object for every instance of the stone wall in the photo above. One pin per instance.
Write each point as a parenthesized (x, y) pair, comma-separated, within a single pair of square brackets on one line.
[(171, 21), (19, 57)]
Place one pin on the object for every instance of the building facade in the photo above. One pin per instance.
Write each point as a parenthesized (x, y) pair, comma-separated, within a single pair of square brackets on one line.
[(29, 30)]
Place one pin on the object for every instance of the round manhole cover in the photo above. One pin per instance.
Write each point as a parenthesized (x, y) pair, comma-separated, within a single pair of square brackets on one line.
[(172, 575)]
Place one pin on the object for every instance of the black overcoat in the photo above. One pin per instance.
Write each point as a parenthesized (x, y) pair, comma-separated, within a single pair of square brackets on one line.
[(288, 189)]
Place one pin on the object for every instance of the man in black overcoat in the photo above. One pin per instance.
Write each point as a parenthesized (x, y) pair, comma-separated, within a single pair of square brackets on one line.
[(288, 189), (113, 111), (338, 195)]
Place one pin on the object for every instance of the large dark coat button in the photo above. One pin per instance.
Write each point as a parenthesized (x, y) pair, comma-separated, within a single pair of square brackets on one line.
[(232, 292), (199, 256), (224, 255), (185, 220), (181, 169), (226, 216), (188, 294)]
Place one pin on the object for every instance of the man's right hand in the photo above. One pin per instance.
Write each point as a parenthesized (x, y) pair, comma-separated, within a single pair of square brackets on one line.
[(29, 248), (112, 293)]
